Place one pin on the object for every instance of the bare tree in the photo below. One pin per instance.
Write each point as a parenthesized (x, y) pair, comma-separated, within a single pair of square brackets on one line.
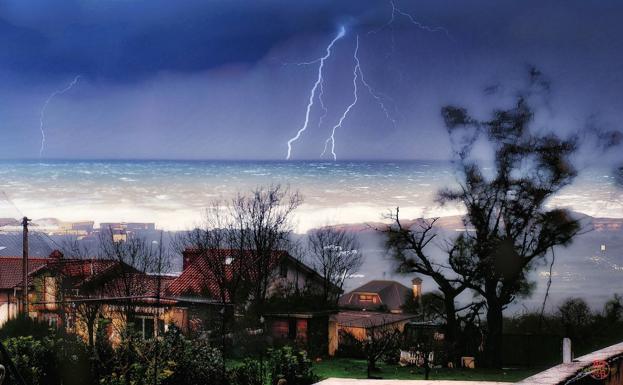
[(408, 244), (241, 241), (335, 254), (263, 220), (127, 281), (85, 310), (381, 340), (220, 244)]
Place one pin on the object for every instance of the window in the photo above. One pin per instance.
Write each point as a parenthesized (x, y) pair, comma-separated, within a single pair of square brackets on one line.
[(229, 260), (280, 329), (301, 330), (283, 270), (144, 325), (366, 297)]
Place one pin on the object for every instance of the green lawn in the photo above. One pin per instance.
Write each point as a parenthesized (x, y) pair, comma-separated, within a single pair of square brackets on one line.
[(350, 368)]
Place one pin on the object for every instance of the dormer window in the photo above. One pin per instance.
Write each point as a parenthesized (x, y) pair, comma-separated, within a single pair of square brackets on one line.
[(366, 298)]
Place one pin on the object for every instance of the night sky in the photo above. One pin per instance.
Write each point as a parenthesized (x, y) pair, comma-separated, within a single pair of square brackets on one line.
[(219, 79)]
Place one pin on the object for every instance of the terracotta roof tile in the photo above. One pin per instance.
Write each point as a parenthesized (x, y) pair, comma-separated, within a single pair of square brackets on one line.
[(198, 279), (11, 270)]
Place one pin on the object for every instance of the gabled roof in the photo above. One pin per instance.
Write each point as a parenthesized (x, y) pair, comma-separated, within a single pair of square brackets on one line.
[(11, 270), (78, 271), (392, 295), (197, 279)]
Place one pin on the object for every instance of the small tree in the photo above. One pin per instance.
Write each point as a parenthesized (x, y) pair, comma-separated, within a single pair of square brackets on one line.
[(382, 339), (335, 255)]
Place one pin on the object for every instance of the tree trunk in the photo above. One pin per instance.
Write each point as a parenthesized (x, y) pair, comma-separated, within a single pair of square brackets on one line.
[(493, 342), (371, 367), (90, 330), (452, 330)]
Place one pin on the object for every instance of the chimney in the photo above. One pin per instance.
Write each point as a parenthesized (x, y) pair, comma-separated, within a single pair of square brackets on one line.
[(417, 289), (188, 256)]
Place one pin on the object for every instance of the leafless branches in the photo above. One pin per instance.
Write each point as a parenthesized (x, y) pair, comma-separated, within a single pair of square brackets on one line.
[(335, 254)]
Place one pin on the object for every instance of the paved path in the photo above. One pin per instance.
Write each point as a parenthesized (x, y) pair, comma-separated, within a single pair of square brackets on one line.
[(348, 381)]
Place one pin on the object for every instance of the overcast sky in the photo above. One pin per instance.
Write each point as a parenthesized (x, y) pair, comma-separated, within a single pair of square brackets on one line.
[(217, 79)]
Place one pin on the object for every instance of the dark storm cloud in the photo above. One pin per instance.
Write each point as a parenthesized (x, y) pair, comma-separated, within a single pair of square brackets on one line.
[(126, 39), (206, 79)]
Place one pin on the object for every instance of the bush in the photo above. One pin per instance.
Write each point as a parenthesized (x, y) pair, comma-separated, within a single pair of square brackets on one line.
[(293, 366), (26, 326), (179, 361), (50, 360), (248, 373), (29, 356)]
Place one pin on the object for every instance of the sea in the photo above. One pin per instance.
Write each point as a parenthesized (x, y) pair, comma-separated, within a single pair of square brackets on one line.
[(174, 194)]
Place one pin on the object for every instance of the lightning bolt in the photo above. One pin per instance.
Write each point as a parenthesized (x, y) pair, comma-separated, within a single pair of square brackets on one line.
[(45, 105), (412, 20), (317, 84), (322, 105), (374, 95), (331, 138)]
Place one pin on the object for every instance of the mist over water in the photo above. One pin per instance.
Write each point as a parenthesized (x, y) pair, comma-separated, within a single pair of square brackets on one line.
[(174, 193)]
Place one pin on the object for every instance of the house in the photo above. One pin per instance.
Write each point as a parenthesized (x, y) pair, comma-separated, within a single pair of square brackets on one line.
[(310, 330), (212, 277), (380, 295), (74, 293), (63, 292), (360, 324), (202, 273), (62, 289), (10, 278), (376, 304)]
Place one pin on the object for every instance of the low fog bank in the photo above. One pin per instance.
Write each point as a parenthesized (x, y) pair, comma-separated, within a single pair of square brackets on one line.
[(581, 270)]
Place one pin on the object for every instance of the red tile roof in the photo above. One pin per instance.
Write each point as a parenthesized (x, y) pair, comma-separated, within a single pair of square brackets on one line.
[(80, 270), (198, 279), (194, 280), (11, 270)]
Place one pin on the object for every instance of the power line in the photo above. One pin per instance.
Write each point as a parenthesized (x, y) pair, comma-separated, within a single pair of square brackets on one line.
[(9, 201)]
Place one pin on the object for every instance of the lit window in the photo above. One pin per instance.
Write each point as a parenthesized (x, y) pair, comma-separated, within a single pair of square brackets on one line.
[(229, 260), (366, 297)]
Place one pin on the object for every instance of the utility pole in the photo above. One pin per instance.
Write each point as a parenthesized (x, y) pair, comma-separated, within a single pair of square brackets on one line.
[(25, 221)]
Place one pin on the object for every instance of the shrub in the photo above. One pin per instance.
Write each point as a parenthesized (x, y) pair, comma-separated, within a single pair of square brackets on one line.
[(248, 373), (179, 361), (51, 360), (30, 358), (291, 365), (26, 326)]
